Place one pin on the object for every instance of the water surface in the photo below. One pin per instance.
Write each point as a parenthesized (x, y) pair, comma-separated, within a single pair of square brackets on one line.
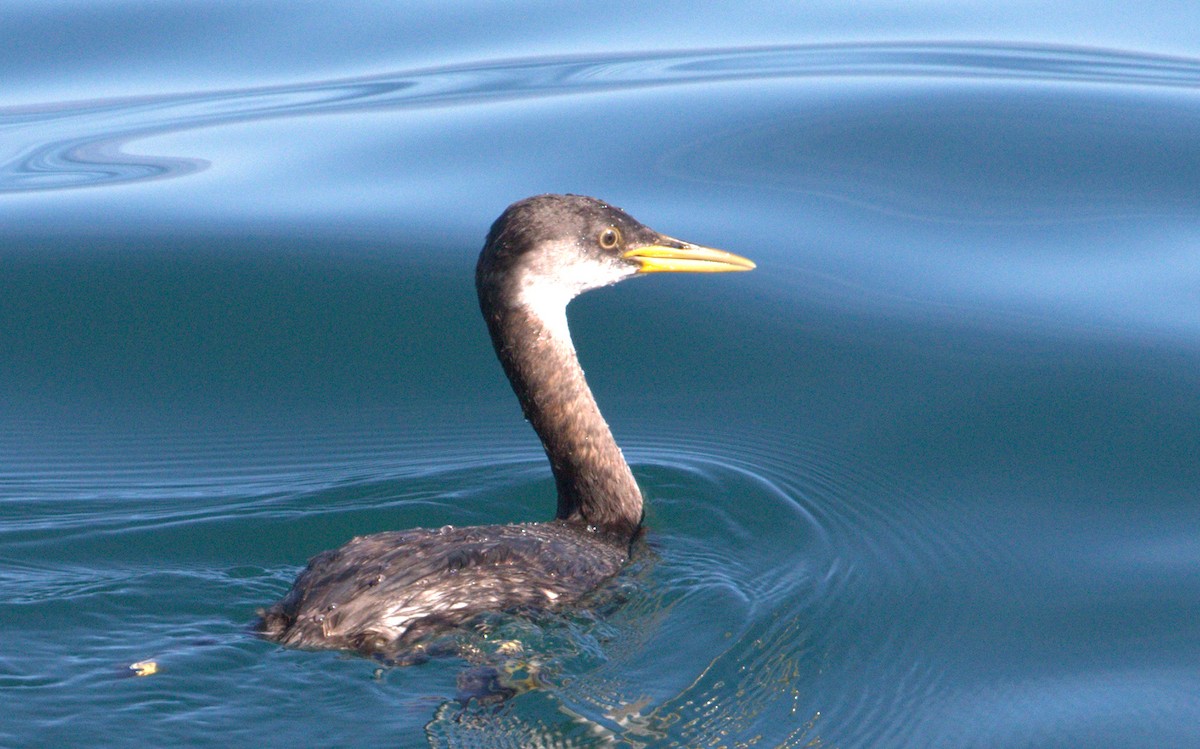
[(927, 477)]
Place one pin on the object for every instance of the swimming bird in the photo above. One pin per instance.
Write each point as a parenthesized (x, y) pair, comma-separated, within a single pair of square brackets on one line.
[(389, 594)]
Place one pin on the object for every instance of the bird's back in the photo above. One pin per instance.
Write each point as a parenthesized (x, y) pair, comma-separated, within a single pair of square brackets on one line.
[(386, 594)]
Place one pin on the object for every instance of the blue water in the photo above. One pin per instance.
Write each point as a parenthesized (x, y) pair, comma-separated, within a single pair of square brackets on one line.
[(928, 477)]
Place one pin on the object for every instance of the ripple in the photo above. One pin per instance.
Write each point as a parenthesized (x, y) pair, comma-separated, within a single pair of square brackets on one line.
[(1056, 710), (62, 145), (764, 549), (777, 564), (114, 492), (48, 458), (889, 563), (770, 548)]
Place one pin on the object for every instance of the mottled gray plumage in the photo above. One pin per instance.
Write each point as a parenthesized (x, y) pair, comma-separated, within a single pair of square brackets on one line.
[(386, 594)]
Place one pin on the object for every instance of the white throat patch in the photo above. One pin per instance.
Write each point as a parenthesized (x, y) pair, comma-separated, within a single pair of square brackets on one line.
[(546, 297)]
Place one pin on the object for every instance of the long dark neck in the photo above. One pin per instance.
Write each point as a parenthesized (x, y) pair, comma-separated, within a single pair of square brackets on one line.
[(595, 485)]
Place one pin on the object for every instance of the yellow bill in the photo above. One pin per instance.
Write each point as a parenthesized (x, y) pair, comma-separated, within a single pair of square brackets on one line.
[(674, 256)]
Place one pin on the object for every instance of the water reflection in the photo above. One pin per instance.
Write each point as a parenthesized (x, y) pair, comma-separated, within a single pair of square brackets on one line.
[(62, 144)]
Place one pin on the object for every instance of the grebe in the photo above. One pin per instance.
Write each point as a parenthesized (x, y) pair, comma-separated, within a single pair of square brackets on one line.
[(388, 594)]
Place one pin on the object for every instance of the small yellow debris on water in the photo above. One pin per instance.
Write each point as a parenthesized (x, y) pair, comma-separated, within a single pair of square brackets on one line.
[(144, 668), (521, 675), (510, 647)]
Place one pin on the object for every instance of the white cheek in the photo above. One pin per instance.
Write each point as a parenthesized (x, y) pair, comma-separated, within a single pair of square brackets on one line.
[(547, 298)]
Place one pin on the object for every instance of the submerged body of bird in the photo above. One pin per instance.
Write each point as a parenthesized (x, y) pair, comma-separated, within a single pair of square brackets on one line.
[(389, 594)]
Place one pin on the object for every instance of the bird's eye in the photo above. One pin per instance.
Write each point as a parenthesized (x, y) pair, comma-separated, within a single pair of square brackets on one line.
[(610, 238)]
